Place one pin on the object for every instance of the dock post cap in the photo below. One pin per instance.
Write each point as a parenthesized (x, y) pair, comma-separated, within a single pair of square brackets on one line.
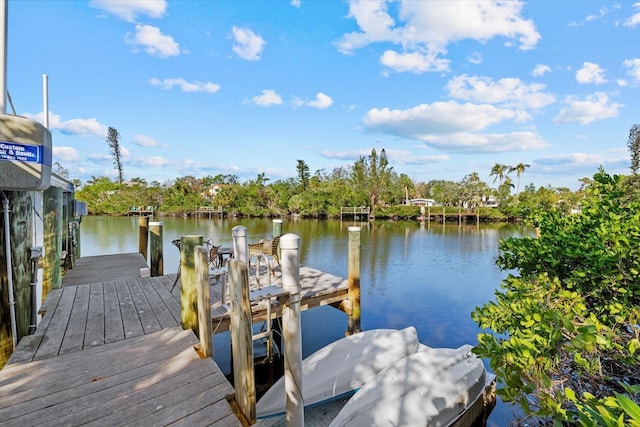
[(156, 223), (290, 241), (277, 221), (354, 228), (239, 231)]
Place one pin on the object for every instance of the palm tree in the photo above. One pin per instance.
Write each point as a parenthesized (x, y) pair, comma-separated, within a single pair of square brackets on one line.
[(519, 169), (499, 171)]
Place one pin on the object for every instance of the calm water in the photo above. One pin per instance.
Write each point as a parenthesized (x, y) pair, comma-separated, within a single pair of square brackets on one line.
[(412, 274)]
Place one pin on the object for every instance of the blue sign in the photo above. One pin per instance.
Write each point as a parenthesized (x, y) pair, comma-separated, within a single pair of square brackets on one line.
[(16, 152)]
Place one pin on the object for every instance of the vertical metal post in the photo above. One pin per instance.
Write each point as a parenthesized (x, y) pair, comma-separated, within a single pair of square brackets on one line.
[(290, 246), (45, 100), (353, 277)]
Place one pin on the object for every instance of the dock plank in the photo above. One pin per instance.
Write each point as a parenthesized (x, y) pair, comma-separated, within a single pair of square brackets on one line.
[(74, 335), (147, 317), (159, 306), (94, 331), (130, 319), (52, 340), (183, 408), (113, 327)]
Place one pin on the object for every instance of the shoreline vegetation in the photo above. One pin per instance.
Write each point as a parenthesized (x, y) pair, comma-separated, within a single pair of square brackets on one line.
[(370, 182)]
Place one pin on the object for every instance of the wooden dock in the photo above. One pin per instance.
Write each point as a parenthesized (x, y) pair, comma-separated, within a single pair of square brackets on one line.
[(113, 352), (209, 211)]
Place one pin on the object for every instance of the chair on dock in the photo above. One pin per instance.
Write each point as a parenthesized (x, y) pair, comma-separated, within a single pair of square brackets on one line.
[(217, 264), (267, 249), (176, 243)]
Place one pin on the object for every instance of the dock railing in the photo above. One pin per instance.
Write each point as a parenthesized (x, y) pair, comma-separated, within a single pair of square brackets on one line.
[(209, 210), (355, 211)]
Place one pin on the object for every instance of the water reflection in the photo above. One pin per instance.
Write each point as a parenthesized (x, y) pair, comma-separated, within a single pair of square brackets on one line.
[(427, 275)]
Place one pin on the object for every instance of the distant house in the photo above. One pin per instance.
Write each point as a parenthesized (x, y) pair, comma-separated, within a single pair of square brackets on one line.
[(211, 192), (490, 201), (421, 202)]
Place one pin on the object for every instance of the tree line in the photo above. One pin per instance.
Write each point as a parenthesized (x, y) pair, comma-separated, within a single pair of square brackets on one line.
[(369, 181)]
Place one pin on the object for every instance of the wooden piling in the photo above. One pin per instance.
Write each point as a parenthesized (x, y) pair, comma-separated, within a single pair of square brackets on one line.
[(143, 235), (205, 332), (188, 289), (156, 244), (52, 270), (353, 278), (242, 339)]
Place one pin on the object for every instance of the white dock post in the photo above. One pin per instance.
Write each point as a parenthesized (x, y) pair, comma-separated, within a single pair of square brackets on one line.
[(240, 244), (290, 247)]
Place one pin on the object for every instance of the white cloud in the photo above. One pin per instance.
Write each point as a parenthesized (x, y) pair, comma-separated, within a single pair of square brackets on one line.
[(591, 108), (268, 98), (66, 154), (247, 45), (476, 143), (415, 62), (153, 41), (633, 68), (321, 102), (592, 17), (153, 161), (453, 126), (404, 157), (475, 58), (510, 92), (77, 127), (425, 29), (590, 73), (295, 3), (435, 119), (145, 141), (185, 86), (587, 162), (130, 9), (634, 19), (540, 70)]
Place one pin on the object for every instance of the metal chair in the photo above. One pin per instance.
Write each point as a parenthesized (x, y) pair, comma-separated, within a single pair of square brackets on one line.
[(176, 243)]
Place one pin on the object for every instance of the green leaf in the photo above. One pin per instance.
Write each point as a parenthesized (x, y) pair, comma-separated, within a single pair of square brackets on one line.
[(630, 407)]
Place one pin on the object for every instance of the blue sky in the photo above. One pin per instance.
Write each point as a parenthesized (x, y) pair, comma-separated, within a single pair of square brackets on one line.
[(246, 87)]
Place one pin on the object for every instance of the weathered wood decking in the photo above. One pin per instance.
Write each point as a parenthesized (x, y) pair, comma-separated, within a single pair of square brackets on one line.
[(113, 352), (154, 379), (103, 268)]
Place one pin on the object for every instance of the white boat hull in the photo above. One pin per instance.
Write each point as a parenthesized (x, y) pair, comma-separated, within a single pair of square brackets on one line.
[(433, 387), (342, 367)]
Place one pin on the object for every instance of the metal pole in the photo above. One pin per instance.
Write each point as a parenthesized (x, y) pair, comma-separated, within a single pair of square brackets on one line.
[(7, 241), (290, 246), (45, 100)]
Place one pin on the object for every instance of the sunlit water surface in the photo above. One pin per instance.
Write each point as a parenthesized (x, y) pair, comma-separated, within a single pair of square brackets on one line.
[(427, 275)]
